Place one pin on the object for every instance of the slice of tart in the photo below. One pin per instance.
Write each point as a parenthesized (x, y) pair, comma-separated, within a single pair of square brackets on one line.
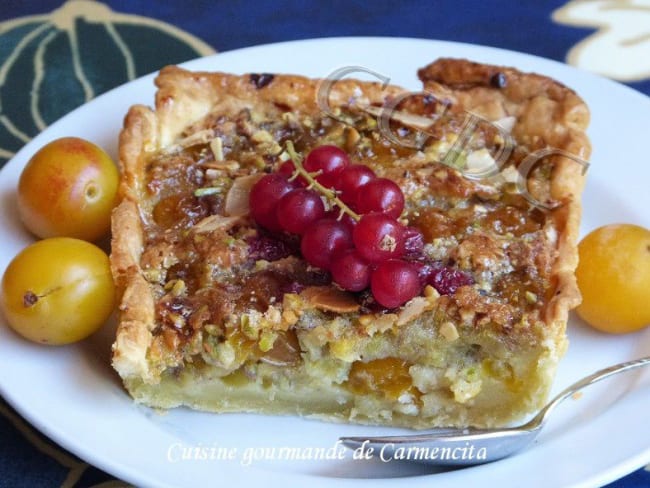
[(219, 314)]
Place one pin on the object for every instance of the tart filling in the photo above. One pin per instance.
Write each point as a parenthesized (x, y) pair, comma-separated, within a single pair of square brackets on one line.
[(219, 314)]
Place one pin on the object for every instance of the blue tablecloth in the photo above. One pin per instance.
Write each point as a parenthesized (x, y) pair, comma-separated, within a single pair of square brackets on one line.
[(118, 40)]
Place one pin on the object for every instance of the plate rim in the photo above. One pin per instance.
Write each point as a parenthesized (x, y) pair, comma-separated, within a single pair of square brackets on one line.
[(60, 437)]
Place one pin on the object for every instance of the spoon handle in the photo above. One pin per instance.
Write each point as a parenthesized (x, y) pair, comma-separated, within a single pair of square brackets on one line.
[(589, 380)]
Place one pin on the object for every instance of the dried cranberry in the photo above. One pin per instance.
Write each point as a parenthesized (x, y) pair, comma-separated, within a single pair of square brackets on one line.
[(446, 280), (293, 287), (305, 278), (269, 248), (260, 80)]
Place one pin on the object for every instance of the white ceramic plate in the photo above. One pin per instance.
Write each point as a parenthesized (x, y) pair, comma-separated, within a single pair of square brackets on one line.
[(72, 395)]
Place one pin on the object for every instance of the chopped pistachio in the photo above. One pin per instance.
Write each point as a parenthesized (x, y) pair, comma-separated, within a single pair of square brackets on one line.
[(152, 275), (273, 315), (345, 349), (270, 148), (177, 320), (292, 301), (267, 339), (249, 327), (212, 329), (290, 317), (179, 288), (259, 162), (261, 264), (211, 190), (531, 297), (365, 320)]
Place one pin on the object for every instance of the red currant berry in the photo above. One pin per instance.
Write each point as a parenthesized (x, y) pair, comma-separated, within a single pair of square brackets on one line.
[(394, 283), (289, 170), (335, 214), (413, 242), (299, 208), (350, 271), (264, 198), (351, 179), (380, 195), (378, 237), (322, 240), (329, 160)]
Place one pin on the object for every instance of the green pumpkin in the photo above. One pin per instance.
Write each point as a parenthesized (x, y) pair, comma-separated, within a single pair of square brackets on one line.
[(52, 63)]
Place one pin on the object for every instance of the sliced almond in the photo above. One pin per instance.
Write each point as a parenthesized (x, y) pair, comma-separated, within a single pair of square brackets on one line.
[(406, 118), (227, 165), (330, 299), (238, 196), (201, 137), (214, 222), (412, 309)]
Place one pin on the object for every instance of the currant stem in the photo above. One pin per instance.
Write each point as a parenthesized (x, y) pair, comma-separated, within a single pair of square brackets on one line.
[(310, 177)]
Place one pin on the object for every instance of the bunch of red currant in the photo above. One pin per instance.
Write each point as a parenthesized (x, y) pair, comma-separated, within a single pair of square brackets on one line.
[(358, 239)]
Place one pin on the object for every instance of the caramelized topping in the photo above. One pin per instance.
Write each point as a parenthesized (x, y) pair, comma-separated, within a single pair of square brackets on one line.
[(180, 210), (207, 272), (511, 220)]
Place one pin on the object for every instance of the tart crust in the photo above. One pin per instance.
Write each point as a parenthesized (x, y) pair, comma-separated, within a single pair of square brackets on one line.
[(439, 372)]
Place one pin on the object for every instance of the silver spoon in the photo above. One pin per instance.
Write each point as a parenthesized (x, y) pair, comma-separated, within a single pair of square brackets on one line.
[(467, 447)]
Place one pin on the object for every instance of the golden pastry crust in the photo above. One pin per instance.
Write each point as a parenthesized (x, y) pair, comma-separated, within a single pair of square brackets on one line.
[(187, 107), (548, 115)]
